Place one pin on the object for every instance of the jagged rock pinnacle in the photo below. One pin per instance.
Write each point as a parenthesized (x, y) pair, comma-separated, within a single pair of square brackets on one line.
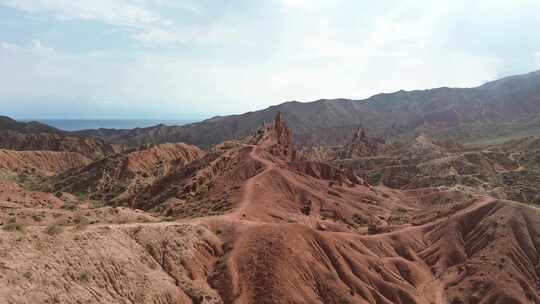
[(279, 117), (276, 138), (360, 134)]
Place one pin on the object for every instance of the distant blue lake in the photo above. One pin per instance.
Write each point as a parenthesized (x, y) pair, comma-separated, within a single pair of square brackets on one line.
[(83, 124)]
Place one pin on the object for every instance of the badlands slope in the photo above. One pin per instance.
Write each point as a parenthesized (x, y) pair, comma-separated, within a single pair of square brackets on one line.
[(252, 222)]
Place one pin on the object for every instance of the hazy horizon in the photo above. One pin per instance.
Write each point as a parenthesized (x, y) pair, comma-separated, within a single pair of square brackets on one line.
[(191, 60), (73, 124)]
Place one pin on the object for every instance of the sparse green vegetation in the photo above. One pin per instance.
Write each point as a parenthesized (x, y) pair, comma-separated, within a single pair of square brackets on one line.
[(69, 206), (97, 204), (81, 196), (488, 134), (30, 182), (359, 220), (374, 227), (5, 177), (82, 223), (330, 276), (84, 276), (13, 226), (53, 229), (344, 301), (202, 190), (398, 216)]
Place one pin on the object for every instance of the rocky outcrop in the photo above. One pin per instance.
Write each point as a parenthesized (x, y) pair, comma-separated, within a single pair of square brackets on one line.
[(276, 138), (44, 163), (89, 147), (340, 176), (424, 143), (121, 176), (508, 171), (362, 146), (35, 136)]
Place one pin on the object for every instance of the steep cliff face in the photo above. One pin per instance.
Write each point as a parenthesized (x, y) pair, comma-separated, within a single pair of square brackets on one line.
[(362, 146), (276, 138)]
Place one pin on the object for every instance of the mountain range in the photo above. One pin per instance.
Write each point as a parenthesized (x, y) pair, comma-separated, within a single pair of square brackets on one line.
[(377, 201), (497, 109), (251, 221)]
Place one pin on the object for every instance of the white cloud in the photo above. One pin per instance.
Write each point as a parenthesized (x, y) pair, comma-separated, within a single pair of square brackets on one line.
[(186, 5), (7, 46), (40, 48), (156, 36), (210, 35), (537, 60), (116, 85), (114, 12), (112, 85), (141, 15), (244, 56), (312, 5)]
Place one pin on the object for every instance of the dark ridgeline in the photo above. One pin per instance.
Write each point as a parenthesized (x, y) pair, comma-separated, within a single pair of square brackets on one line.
[(443, 111)]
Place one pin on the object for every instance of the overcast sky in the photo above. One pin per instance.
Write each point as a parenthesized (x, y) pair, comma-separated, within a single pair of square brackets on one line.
[(182, 59)]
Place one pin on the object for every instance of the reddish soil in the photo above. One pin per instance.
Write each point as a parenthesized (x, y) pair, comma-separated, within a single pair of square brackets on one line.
[(39, 162), (295, 232), (118, 177)]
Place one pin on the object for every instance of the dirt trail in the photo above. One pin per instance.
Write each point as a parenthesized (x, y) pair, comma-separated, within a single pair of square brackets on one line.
[(435, 290), (126, 225), (251, 184)]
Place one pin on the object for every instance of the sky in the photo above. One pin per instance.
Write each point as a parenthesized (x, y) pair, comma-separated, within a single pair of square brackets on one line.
[(189, 59)]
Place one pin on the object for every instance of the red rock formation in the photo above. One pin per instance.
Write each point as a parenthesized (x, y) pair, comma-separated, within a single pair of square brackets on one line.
[(43, 163), (87, 146), (262, 229), (362, 146), (276, 138), (121, 175)]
